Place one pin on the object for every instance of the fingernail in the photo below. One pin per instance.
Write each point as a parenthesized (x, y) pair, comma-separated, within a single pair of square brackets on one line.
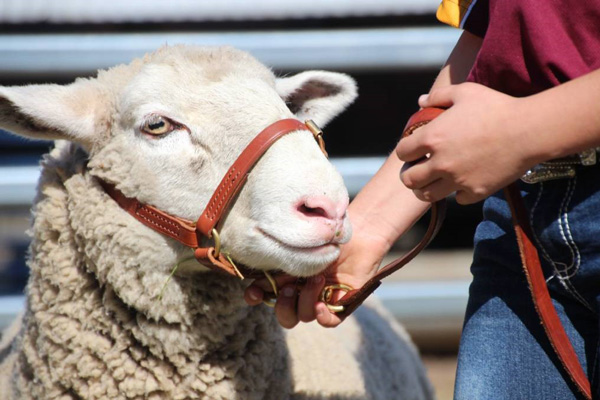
[(423, 98), (319, 311), (288, 291)]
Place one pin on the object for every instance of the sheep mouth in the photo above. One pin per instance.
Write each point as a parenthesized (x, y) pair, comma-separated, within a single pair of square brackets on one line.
[(326, 247)]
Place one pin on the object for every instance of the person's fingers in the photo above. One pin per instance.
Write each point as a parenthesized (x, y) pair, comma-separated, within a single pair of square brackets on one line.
[(262, 284), (253, 295), (464, 198), (440, 97), (417, 175), (285, 308), (435, 191), (309, 295), (411, 148), (325, 317)]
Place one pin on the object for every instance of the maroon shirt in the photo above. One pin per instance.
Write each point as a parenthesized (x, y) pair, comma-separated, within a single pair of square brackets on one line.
[(532, 45)]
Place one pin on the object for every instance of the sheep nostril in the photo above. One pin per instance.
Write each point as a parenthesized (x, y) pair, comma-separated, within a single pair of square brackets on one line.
[(322, 207), (312, 212)]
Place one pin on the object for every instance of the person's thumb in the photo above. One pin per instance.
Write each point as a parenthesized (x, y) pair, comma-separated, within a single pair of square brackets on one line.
[(442, 97)]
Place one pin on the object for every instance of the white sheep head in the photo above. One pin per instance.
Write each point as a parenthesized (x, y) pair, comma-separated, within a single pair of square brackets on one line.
[(166, 128)]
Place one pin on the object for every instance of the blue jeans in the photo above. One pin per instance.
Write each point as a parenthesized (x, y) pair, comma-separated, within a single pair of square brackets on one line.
[(504, 353)]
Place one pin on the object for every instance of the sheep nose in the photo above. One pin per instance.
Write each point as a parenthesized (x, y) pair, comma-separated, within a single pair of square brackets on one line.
[(322, 207)]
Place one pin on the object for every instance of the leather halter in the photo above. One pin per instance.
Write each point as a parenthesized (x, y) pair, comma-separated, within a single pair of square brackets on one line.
[(194, 234)]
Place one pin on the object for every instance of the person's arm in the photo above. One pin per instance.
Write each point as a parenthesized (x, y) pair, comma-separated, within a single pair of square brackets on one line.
[(486, 139), (383, 211)]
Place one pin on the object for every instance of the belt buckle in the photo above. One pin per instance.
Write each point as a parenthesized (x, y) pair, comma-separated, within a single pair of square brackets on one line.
[(546, 172), (560, 168)]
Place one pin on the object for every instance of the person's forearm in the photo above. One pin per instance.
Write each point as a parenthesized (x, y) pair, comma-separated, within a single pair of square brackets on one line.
[(385, 208), (460, 61), (563, 120)]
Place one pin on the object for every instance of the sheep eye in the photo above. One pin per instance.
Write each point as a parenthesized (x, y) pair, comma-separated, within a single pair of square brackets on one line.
[(157, 125)]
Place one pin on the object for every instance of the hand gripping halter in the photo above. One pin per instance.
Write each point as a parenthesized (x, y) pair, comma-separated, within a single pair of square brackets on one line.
[(194, 234)]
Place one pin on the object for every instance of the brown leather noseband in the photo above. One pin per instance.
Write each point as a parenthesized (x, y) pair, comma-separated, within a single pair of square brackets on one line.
[(195, 234)]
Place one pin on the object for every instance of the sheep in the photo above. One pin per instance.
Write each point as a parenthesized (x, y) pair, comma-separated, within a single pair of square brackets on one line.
[(104, 321)]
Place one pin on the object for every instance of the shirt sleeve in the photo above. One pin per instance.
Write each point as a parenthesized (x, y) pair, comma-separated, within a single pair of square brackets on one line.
[(470, 15)]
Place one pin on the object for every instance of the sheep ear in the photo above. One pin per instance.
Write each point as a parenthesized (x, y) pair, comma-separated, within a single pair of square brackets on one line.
[(72, 112), (317, 95)]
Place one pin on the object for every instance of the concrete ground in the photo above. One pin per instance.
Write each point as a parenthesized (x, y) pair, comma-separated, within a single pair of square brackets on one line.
[(441, 370)]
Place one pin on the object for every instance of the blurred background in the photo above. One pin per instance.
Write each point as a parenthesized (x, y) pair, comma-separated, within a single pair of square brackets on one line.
[(393, 48)]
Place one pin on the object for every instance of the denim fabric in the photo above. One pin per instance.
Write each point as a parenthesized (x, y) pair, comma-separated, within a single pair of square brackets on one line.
[(504, 353)]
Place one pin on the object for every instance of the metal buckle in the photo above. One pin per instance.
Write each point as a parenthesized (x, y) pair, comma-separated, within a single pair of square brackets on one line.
[(546, 172), (560, 168), (588, 157), (317, 133)]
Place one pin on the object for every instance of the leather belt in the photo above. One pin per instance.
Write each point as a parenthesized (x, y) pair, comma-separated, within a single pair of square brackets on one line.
[(561, 167), (533, 271)]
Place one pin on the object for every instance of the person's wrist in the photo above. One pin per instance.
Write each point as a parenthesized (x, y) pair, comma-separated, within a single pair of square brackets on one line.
[(366, 251), (370, 232)]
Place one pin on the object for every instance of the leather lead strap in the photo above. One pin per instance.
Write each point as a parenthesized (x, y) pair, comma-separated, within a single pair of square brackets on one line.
[(541, 297), (355, 298)]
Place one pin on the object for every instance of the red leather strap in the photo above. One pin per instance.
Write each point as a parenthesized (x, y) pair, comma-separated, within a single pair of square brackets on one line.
[(179, 229), (354, 298), (541, 297), (238, 172)]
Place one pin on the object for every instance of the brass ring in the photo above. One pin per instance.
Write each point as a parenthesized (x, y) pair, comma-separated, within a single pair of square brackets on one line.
[(217, 240), (327, 294), (270, 301)]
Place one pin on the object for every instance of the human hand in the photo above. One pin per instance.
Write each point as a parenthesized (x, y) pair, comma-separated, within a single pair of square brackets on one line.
[(357, 263), (474, 148)]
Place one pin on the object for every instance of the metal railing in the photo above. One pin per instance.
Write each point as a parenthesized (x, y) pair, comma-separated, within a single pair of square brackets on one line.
[(148, 11), (71, 55)]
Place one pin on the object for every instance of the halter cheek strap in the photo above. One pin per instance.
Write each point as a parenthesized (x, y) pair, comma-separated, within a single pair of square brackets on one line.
[(238, 173)]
